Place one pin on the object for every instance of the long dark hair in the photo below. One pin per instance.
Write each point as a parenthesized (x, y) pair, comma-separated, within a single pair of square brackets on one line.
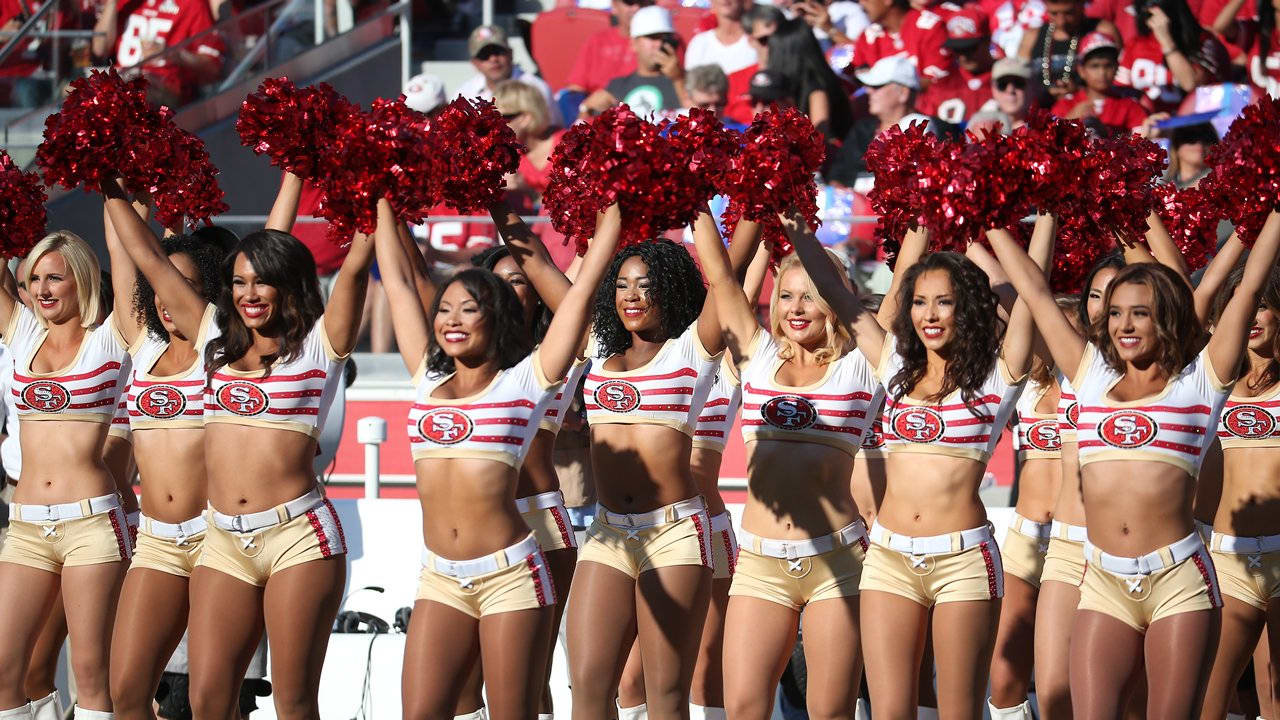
[(975, 346), (510, 342), (1271, 299), (1179, 335), (283, 262), (1112, 260), (675, 289), (795, 54), (1266, 26), (207, 259), (541, 320), (1183, 24)]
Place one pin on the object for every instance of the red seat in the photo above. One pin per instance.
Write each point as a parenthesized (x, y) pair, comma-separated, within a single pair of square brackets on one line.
[(557, 35), (688, 21)]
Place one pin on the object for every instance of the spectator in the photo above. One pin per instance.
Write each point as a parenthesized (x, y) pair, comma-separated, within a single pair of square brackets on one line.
[(708, 88), (760, 23), (770, 91), (1009, 79), (968, 88), (838, 23), (892, 85), (656, 85), (528, 114), (19, 86), (795, 55), (1099, 103), (608, 53), (424, 93), (898, 29), (1170, 54), (1012, 20), (1264, 50), (1189, 145), (134, 31), (491, 57), (990, 122), (1053, 49), (727, 45)]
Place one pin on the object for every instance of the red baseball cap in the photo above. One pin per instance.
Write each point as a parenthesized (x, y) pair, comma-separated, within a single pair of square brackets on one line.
[(967, 28), (1095, 41)]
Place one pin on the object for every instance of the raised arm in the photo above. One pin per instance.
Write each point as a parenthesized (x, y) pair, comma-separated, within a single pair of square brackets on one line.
[(284, 212), (745, 238), (124, 278), (1020, 335), (531, 255), (914, 245), (1231, 332), (186, 307), (564, 339), (346, 302), (422, 281), (833, 288), (996, 276), (1066, 346), (409, 319), (734, 311), (1215, 276), (1163, 248)]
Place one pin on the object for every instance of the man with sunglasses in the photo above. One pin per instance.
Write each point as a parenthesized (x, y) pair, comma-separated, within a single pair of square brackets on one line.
[(491, 56), (655, 88), (1009, 79), (967, 89)]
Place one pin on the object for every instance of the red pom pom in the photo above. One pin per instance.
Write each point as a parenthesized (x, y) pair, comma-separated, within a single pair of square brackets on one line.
[(295, 127), (1192, 220), (186, 184), (771, 232), (1119, 183), (1050, 152), (474, 149), (22, 211), (104, 129), (983, 188), (1244, 175), (909, 175), (1079, 245)]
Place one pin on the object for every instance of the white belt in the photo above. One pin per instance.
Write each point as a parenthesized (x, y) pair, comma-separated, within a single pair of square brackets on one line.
[(541, 501), (1030, 528), (663, 515), (1074, 533), (178, 532), (852, 533), (464, 570), (1154, 561), (64, 511), (1245, 545), (268, 518), (932, 545), (722, 522)]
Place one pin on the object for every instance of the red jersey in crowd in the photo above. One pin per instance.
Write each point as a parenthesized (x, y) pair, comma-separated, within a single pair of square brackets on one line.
[(603, 57), (1010, 19), (1264, 64), (1121, 14), (956, 97), (1208, 12), (19, 63), (1142, 68), (921, 38), (169, 23), (740, 108), (1114, 112)]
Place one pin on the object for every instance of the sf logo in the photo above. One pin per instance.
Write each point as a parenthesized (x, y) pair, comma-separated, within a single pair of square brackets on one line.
[(162, 402), (243, 398), (1127, 429), (789, 412), (1249, 421), (919, 424), (445, 426), (618, 396), (46, 396), (1043, 435)]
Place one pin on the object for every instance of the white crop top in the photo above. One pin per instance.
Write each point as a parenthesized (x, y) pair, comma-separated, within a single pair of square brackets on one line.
[(169, 401), (720, 410), (295, 396), (1037, 434), (833, 411), (1174, 426), (950, 427), (873, 439), (668, 390), (1068, 411), (1251, 421), (86, 389), (497, 423), (566, 391)]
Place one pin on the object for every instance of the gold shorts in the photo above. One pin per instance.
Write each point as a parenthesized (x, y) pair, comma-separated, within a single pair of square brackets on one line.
[(102, 537), (724, 547), (1064, 561), (1250, 575), (515, 578), (172, 555), (1140, 599), (1024, 550), (253, 557), (677, 534), (973, 572), (805, 579), (547, 517)]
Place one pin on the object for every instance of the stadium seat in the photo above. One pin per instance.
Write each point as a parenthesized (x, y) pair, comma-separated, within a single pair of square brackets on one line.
[(556, 37)]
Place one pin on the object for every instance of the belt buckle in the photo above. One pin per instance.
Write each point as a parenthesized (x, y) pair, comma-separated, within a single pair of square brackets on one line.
[(1255, 561), (921, 564), (49, 532), (249, 543), (1139, 586), (237, 523), (797, 567)]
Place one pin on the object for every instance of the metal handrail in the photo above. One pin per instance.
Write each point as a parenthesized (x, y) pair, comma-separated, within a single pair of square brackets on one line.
[(528, 219), (16, 40), (69, 34)]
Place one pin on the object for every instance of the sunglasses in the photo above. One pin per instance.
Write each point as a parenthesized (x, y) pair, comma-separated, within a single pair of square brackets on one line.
[(1006, 83), (511, 116), (490, 52), (634, 3), (762, 39)]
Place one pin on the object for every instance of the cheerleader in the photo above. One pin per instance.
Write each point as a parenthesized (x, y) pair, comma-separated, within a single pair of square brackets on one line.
[(1149, 392), (951, 384), (67, 527), (474, 367)]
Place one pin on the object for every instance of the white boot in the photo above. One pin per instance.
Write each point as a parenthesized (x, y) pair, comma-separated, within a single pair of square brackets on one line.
[(639, 712), (698, 712), (477, 715), (48, 707), (22, 712), (546, 716), (1021, 711), (926, 713), (860, 711), (82, 714)]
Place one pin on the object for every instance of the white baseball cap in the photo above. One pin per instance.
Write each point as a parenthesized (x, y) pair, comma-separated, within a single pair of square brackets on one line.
[(897, 70), (651, 20), (424, 93)]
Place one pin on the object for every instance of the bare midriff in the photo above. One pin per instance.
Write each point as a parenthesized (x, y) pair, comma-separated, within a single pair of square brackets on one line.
[(1136, 506), (641, 467), (930, 494), (704, 462), (468, 506), (538, 472), (62, 462), (257, 468), (1250, 502), (172, 470), (1070, 506), (797, 490), (1038, 488)]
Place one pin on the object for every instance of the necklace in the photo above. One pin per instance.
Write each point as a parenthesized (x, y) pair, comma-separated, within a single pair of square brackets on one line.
[(1046, 57)]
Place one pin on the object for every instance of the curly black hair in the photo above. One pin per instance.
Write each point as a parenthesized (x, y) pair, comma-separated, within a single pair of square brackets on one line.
[(510, 342), (207, 259), (540, 319), (675, 288), (975, 343)]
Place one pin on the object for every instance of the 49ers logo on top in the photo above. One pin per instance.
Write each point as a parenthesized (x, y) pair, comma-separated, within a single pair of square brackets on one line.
[(1248, 421), (162, 402), (789, 412), (874, 437), (1073, 414), (1127, 429), (1043, 435), (46, 396), (618, 396), (243, 398), (919, 424), (445, 426)]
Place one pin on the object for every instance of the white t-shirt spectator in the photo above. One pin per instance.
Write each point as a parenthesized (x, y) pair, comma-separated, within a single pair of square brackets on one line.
[(475, 87), (849, 17), (706, 49)]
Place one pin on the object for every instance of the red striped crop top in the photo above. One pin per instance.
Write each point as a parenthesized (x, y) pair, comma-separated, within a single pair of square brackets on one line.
[(873, 439), (296, 395), (87, 389), (1037, 434), (169, 401), (668, 390), (497, 423), (950, 427), (1173, 426), (833, 411), (566, 391), (720, 410), (1068, 411), (1251, 421)]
